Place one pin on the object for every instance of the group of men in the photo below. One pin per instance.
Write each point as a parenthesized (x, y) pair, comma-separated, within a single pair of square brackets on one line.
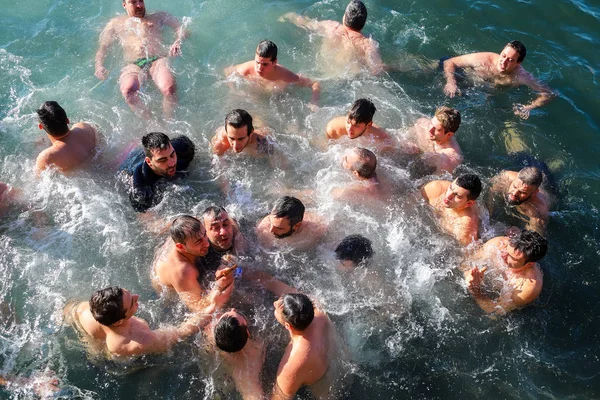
[(198, 259)]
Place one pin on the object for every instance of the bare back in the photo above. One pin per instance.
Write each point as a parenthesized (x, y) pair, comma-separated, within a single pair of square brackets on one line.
[(70, 151)]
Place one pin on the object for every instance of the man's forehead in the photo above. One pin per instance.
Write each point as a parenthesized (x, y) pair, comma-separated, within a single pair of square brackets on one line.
[(158, 153), (217, 219), (275, 220), (510, 52)]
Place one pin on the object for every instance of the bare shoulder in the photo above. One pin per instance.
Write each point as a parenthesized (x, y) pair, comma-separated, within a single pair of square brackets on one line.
[(473, 59), (336, 127), (530, 287), (286, 75), (434, 189), (379, 133), (243, 69)]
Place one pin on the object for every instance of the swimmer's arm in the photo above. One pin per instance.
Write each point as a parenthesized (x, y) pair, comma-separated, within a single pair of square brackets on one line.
[(336, 128), (189, 290), (107, 36), (305, 22), (288, 380), (464, 61), (219, 143), (544, 97), (180, 33), (314, 85), (376, 65), (243, 69), (431, 191), (272, 284), (42, 163)]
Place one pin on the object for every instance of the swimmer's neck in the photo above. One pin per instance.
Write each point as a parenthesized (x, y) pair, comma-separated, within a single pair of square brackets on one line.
[(54, 139)]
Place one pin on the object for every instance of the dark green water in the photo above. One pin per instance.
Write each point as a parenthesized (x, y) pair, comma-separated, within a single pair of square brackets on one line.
[(425, 339)]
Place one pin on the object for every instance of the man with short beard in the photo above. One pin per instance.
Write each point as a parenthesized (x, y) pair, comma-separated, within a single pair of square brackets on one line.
[(223, 235)]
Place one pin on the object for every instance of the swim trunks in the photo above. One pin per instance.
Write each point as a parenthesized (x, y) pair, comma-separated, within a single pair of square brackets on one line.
[(145, 62)]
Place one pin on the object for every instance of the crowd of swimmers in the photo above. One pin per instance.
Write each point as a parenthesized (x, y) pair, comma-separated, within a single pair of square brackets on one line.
[(198, 261)]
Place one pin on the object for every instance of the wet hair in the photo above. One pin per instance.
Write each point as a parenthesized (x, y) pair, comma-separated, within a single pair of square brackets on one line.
[(366, 164), (448, 117), (154, 141), (213, 211), (356, 15), (355, 248), (185, 227), (531, 176), (267, 49), (238, 118), (520, 48), (362, 111), (470, 182), (53, 118), (106, 305), (530, 243), (230, 335), (289, 207), (298, 310)]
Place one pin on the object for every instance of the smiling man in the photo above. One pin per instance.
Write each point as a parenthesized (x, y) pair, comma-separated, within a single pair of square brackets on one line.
[(504, 275), (454, 204), (502, 69)]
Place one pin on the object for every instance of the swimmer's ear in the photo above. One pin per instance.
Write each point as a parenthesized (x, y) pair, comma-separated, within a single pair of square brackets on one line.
[(355, 173), (68, 122), (148, 161), (297, 226), (450, 134), (41, 127), (179, 246), (287, 326), (470, 203)]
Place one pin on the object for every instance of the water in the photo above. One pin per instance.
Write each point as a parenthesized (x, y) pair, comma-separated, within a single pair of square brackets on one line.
[(417, 334)]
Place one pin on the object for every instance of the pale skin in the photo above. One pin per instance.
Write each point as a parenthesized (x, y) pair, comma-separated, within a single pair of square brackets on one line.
[(438, 146), (366, 134), (351, 49), (140, 36), (68, 151), (306, 234), (501, 70), (224, 234), (523, 279), (456, 214), (536, 203)]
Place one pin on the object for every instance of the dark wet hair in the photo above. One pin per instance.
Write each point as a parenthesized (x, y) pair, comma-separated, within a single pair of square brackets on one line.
[(356, 15), (267, 49), (449, 118), (520, 48), (154, 141), (470, 182), (238, 118), (530, 243), (230, 335), (362, 111), (185, 227), (106, 305), (53, 118), (213, 211), (366, 164), (289, 207), (531, 176), (355, 248), (298, 310)]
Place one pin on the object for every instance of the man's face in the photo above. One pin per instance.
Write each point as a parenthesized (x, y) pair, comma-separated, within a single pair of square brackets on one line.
[(135, 8), (455, 197), (197, 245), (280, 227), (238, 138), (436, 130), (507, 62), (513, 257), (519, 192), (163, 162), (130, 303), (263, 66), (219, 230), (350, 158), (354, 130)]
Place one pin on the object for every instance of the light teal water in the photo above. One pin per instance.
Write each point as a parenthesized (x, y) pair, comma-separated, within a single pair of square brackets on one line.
[(425, 338)]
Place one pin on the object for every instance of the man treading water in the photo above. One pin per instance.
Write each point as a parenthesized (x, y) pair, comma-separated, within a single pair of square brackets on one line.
[(224, 236)]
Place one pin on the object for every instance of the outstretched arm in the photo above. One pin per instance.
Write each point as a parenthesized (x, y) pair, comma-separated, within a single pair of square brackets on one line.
[(180, 33), (464, 61), (544, 97), (107, 36), (314, 85), (305, 22)]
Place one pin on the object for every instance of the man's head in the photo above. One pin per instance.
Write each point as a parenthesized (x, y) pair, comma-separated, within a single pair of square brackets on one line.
[(353, 250), (160, 155), (219, 228), (511, 56), (231, 332), (53, 119), (355, 16), (360, 118), (444, 124), (135, 8), (265, 58), (462, 192), (524, 249), (112, 305), (295, 311), (286, 216), (526, 184), (238, 128), (189, 235), (361, 162)]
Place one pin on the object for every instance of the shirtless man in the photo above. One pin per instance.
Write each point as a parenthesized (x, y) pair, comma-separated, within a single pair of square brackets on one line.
[(503, 275), (312, 348), (140, 34), (522, 191), (265, 71), (288, 226), (239, 135), (243, 356), (176, 266), (455, 206), (434, 138), (358, 124), (70, 147), (108, 318), (344, 45), (502, 69), (362, 164), (223, 235)]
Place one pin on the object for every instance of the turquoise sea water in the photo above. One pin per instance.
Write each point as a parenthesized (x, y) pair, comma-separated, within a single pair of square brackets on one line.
[(423, 338)]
